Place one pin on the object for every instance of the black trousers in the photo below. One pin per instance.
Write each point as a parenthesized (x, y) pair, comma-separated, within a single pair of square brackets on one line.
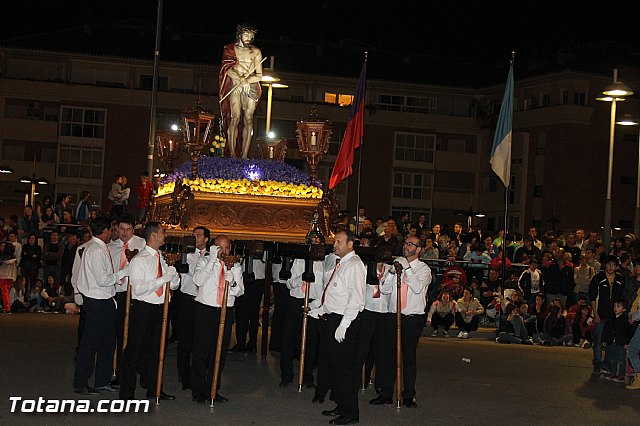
[(143, 348), (412, 326), (121, 299), (247, 311), (205, 340), (280, 301), (185, 315), (338, 366), (467, 326), (373, 347), (291, 338), (81, 323), (445, 321), (98, 341)]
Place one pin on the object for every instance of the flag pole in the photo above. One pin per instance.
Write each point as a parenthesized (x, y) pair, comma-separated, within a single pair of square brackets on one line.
[(506, 214), (364, 96)]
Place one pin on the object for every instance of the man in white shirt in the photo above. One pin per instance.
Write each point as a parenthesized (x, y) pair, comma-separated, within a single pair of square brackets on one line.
[(341, 302), (96, 282), (149, 275), (376, 326), (415, 280), (187, 305), (291, 335), (210, 278), (248, 307), (121, 250)]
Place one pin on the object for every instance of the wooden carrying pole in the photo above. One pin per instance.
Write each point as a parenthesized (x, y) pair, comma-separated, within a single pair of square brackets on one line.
[(127, 311), (303, 342), (399, 335), (125, 334), (216, 365), (163, 341)]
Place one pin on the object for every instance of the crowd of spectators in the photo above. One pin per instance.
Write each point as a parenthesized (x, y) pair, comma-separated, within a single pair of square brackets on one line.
[(37, 249)]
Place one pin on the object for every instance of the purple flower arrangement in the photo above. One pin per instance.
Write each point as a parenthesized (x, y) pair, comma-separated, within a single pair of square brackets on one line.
[(240, 168)]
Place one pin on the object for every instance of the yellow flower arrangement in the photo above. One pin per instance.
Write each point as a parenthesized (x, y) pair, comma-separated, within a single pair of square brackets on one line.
[(244, 186)]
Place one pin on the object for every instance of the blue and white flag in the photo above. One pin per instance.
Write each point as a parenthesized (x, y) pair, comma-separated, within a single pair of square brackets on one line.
[(501, 150)]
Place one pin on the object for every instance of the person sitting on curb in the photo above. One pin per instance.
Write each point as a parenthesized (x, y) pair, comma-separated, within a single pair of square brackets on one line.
[(555, 329), (468, 314), (514, 328), (441, 314)]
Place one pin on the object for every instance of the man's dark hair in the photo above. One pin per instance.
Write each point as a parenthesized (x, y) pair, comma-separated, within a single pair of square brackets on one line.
[(207, 233), (145, 174), (245, 26), (348, 233), (150, 228), (624, 257), (582, 297), (98, 226), (126, 218)]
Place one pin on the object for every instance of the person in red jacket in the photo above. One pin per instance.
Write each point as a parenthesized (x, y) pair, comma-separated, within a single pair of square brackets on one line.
[(144, 190)]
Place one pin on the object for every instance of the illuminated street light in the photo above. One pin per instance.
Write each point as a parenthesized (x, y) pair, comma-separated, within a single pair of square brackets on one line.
[(613, 93), (628, 120)]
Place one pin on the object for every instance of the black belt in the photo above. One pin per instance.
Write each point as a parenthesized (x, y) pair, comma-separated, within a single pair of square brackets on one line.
[(187, 295)]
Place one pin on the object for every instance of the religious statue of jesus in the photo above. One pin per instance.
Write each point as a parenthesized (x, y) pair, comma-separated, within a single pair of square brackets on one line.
[(240, 90)]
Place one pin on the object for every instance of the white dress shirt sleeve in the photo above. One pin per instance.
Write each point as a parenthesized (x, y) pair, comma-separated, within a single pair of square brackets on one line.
[(356, 276)]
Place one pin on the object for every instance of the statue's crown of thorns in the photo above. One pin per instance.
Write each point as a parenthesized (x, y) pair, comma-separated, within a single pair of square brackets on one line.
[(246, 27)]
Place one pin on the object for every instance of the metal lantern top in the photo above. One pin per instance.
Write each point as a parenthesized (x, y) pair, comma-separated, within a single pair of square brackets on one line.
[(197, 124), (169, 144), (313, 133)]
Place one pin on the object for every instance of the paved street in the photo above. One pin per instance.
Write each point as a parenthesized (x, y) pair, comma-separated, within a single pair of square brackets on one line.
[(502, 384)]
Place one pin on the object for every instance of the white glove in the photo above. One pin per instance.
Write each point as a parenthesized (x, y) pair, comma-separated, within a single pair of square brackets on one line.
[(213, 251), (171, 270), (341, 331), (314, 304), (315, 313), (404, 262), (124, 272), (228, 276)]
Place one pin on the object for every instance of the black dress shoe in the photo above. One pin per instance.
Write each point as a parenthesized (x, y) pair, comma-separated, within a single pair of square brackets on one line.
[(86, 391), (318, 398), (409, 403), (186, 386), (237, 348), (285, 383), (220, 398), (330, 413), (163, 396), (344, 420), (381, 400), (115, 383), (106, 388), (200, 399)]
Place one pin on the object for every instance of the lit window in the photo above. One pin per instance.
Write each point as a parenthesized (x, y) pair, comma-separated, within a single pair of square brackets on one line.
[(338, 99)]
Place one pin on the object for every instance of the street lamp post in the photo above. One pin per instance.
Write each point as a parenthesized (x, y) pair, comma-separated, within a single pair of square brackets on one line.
[(628, 120), (33, 181), (271, 80), (613, 93)]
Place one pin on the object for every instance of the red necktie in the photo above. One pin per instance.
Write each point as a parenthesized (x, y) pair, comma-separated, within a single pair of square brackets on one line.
[(158, 275), (220, 294), (376, 290), (110, 260), (123, 261), (335, 268), (404, 290)]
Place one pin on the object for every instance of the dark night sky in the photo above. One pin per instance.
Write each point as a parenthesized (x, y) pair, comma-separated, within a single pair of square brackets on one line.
[(483, 31)]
